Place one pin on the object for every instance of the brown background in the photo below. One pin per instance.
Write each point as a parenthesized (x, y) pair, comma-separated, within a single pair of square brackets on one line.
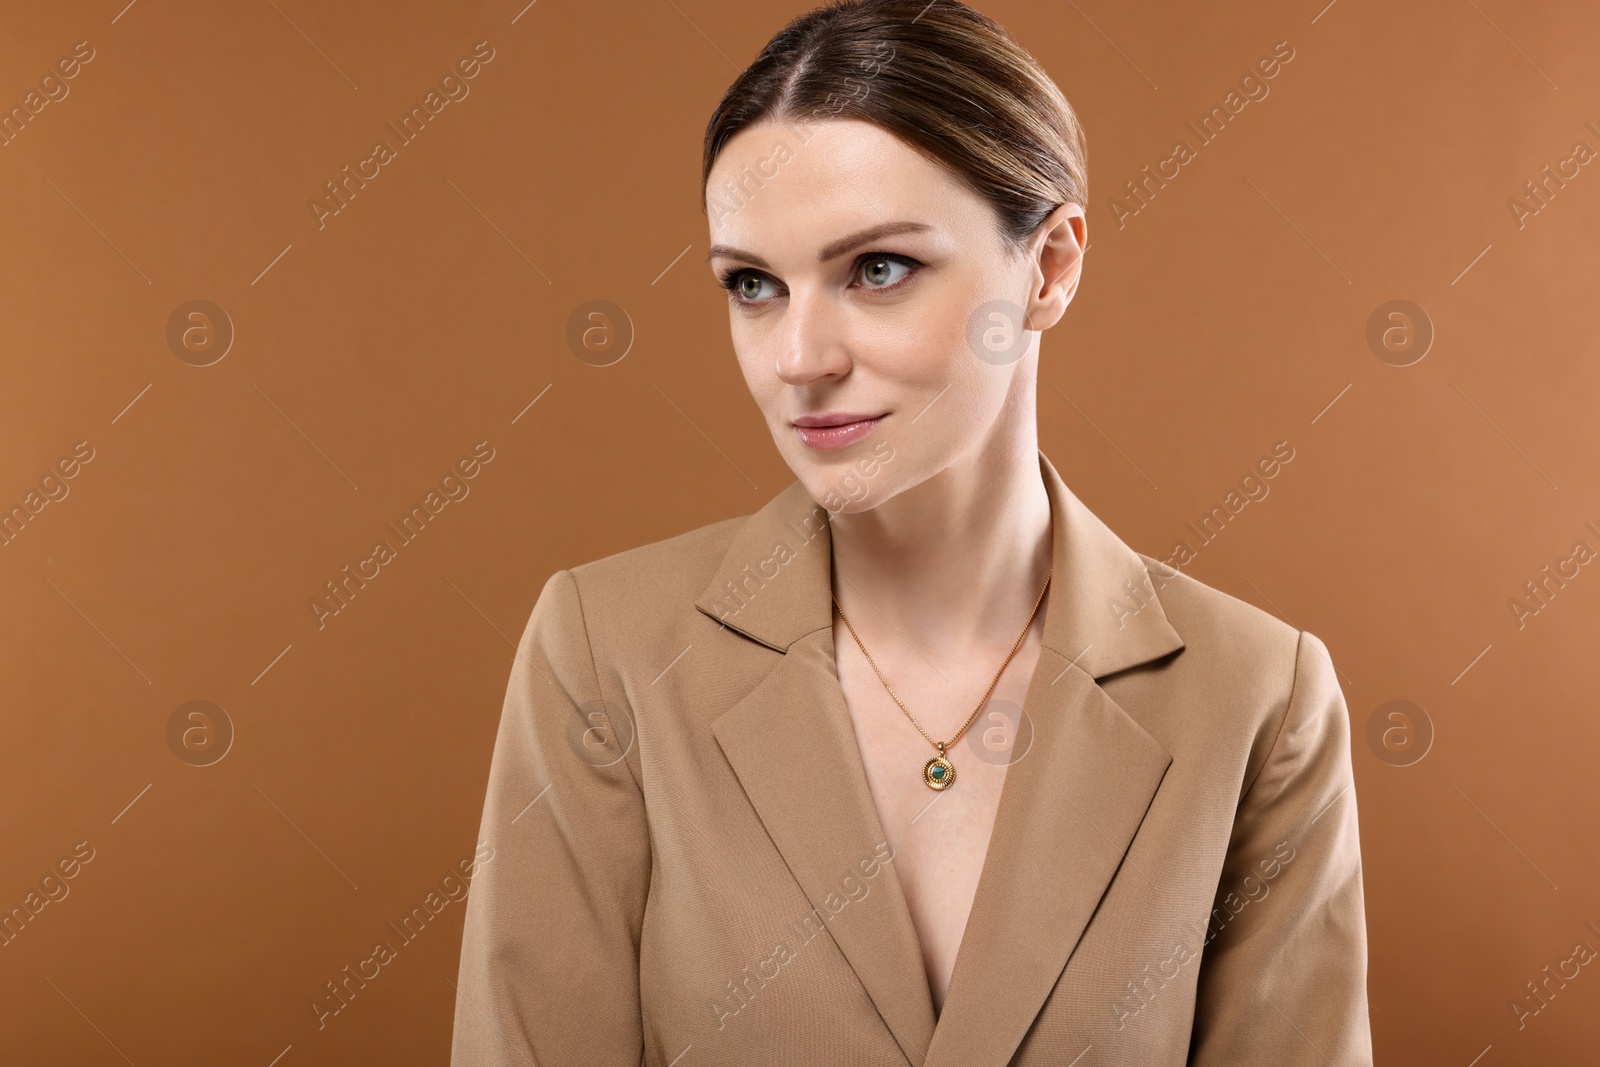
[(373, 352)]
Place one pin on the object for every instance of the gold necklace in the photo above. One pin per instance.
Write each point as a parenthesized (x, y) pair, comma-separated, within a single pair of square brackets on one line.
[(939, 772)]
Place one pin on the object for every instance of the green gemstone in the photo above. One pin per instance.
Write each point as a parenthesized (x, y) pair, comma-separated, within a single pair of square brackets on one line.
[(938, 772)]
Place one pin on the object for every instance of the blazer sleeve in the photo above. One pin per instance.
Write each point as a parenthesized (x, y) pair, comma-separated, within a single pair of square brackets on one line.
[(549, 969), (1283, 974)]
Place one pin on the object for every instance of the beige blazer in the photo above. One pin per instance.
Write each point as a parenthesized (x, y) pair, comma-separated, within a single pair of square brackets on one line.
[(689, 869)]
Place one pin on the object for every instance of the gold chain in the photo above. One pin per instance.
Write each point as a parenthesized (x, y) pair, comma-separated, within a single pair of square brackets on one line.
[(942, 745)]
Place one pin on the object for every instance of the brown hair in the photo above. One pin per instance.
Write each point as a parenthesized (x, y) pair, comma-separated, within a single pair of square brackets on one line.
[(948, 81)]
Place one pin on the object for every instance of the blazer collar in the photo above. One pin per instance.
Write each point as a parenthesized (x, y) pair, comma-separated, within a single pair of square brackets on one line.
[(1069, 809), (775, 582)]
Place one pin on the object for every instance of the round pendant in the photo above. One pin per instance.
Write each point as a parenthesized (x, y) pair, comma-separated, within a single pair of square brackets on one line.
[(939, 773)]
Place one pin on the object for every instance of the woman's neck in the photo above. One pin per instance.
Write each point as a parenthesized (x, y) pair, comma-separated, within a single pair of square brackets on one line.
[(956, 561)]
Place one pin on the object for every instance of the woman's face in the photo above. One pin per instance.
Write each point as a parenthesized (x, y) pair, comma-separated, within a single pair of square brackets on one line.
[(876, 314)]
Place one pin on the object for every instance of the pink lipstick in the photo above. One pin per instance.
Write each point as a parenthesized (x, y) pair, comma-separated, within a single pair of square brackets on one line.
[(835, 429)]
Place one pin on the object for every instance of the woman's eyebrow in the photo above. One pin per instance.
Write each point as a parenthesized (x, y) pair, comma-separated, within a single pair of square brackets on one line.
[(833, 250)]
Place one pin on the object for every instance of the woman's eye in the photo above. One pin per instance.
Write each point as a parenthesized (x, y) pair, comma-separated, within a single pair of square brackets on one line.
[(743, 286), (877, 272), (749, 286)]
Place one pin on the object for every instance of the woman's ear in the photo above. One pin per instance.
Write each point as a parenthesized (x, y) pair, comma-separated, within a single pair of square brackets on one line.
[(1057, 253)]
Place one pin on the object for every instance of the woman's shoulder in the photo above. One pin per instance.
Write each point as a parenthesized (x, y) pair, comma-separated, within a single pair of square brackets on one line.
[(649, 584), (679, 556), (1223, 633), (1245, 683)]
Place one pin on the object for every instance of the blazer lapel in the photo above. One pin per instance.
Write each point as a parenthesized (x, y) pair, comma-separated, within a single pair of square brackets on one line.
[(1068, 811), (792, 746)]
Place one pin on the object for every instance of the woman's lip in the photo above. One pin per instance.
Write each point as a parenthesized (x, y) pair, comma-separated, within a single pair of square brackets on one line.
[(835, 418), (829, 438)]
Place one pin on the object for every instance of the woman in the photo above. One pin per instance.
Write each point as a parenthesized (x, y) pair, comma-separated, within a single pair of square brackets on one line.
[(919, 763)]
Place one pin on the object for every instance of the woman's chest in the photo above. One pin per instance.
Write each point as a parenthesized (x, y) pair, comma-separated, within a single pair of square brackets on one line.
[(940, 837), (805, 880)]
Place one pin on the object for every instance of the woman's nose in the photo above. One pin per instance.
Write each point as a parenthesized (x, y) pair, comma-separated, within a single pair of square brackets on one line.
[(813, 341)]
